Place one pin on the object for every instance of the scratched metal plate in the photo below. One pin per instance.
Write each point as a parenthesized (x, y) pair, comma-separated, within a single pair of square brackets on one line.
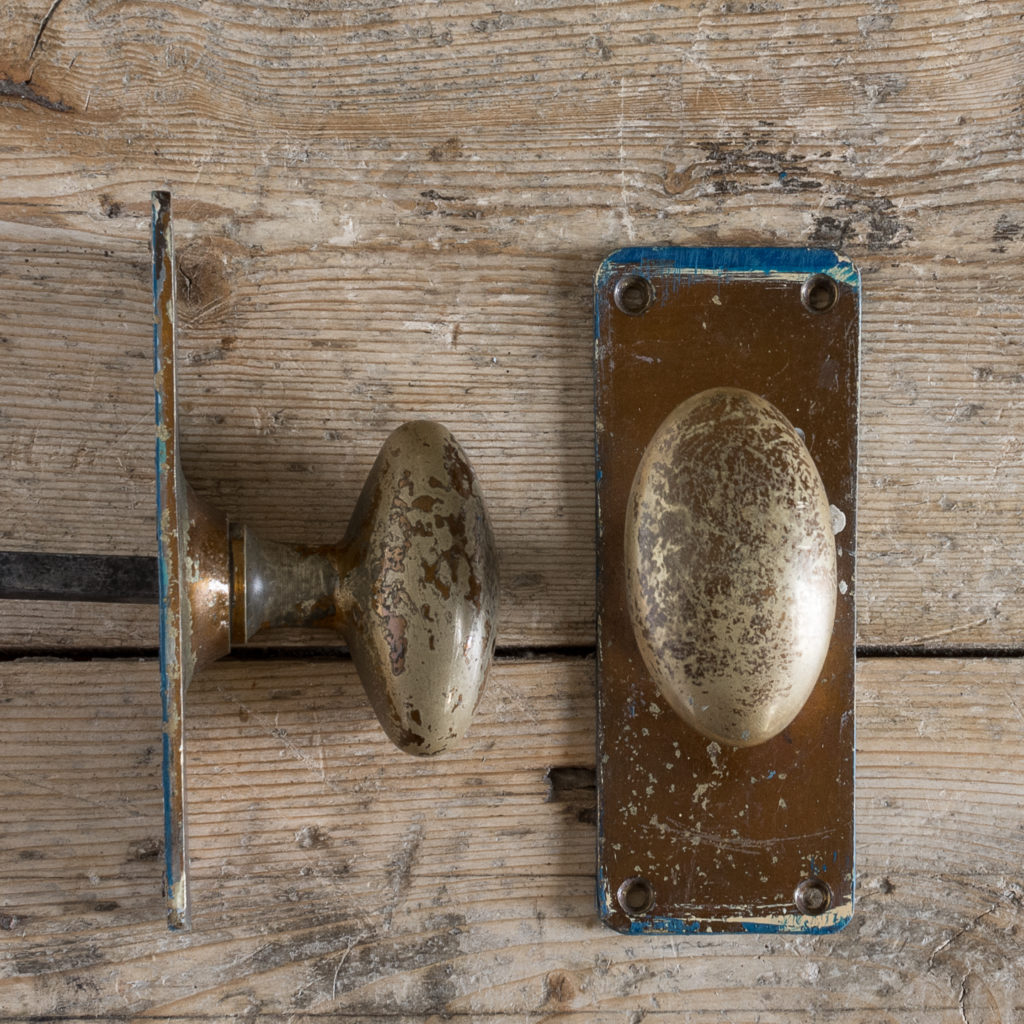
[(175, 657), (694, 836), (192, 545)]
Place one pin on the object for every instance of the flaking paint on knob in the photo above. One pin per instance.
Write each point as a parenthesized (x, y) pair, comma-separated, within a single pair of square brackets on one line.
[(730, 566), (422, 597)]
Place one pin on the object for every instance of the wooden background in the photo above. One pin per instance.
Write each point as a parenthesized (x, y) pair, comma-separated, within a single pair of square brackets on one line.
[(388, 209)]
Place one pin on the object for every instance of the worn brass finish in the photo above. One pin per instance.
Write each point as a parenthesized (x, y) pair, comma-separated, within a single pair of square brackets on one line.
[(421, 595), (412, 586), (730, 566), (721, 835)]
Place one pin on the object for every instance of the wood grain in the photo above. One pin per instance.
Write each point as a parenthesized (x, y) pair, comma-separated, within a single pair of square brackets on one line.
[(336, 879), (395, 210), (388, 209)]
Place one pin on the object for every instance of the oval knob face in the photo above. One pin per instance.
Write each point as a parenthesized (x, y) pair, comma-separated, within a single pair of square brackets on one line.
[(730, 566), (424, 591)]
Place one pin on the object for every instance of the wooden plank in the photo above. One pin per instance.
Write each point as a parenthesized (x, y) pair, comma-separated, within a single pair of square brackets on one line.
[(396, 212), (34, 627), (336, 879)]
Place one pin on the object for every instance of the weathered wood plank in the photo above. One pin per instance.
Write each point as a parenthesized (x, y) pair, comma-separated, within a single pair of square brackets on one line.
[(393, 210), (34, 627), (338, 879)]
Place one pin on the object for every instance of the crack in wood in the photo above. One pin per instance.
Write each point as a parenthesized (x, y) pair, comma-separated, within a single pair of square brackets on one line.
[(42, 27), (970, 926)]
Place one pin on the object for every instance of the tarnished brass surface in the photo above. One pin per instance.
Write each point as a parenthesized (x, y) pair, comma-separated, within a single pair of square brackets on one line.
[(730, 566), (422, 597), (285, 585), (696, 834), (413, 586), (207, 578)]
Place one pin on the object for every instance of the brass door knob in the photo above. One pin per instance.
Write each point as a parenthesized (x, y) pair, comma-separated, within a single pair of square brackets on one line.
[(412, 586), (730, 566)]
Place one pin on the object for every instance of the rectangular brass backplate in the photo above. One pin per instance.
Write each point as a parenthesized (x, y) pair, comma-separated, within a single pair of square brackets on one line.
[(694, 835)]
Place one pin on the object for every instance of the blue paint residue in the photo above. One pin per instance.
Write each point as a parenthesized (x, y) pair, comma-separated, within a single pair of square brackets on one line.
[(808, 928), (688, 926), (731, 260), (664, 926), (603, 909)]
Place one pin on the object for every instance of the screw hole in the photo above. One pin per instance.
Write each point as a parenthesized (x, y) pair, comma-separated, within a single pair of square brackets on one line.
[(633, 294), (813, 896), (636, 896), (819, 293)]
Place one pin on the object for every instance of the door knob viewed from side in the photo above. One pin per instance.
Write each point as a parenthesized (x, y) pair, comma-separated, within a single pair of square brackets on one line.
[(412, 586), (730, 566), (726, 401)]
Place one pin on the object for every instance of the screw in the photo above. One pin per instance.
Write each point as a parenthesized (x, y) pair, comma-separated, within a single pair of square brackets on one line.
[(813, 896), (633, 294), (635, 896), (819, 293)]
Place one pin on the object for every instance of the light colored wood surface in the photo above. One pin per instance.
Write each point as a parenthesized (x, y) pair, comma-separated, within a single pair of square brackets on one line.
[(337, 879), (393, 209), (396, 210)]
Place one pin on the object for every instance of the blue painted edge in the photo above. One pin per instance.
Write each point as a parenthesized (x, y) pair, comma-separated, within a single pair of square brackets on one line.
[(657, 925), (164, 580), (729, 260)]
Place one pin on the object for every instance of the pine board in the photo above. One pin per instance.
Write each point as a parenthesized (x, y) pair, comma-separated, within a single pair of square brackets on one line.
[(338, 880), (389, 210)]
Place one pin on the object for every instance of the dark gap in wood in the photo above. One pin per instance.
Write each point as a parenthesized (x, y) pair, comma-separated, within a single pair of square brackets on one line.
[(545, 652), (24, 91), (319, 653), (964, 651), (534, 652), (79, 653), (110, 579)]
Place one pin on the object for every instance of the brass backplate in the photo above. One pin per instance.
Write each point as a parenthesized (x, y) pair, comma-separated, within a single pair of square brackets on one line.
[(695, 836)]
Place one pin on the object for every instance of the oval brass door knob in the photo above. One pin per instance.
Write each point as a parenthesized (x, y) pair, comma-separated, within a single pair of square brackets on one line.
[(730, 566), (412, 587)]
